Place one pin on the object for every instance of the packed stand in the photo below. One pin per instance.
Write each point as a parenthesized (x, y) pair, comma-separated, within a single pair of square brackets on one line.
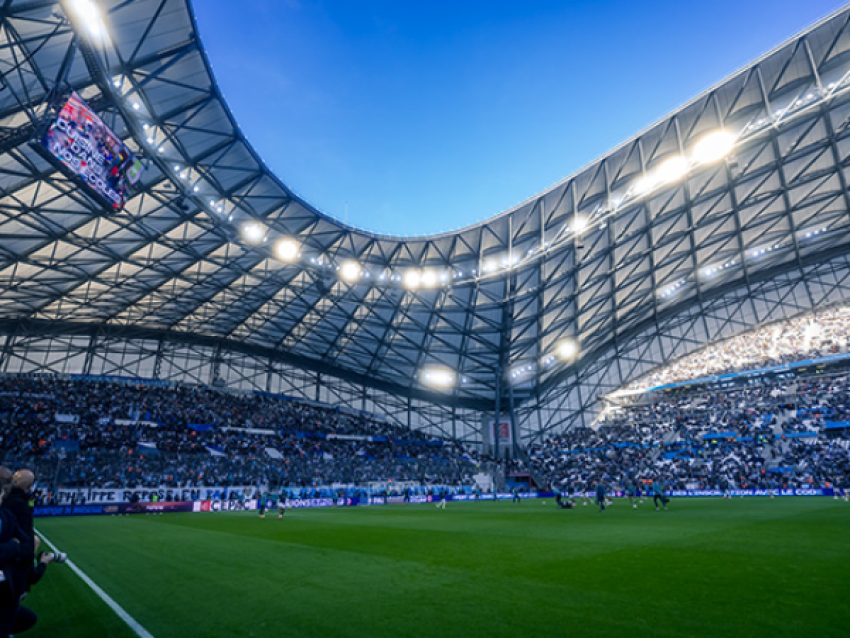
[(98, 434), (818, 334), (760, 434)]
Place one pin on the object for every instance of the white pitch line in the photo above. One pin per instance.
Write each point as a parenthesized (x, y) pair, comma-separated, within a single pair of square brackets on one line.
[(118, 609)]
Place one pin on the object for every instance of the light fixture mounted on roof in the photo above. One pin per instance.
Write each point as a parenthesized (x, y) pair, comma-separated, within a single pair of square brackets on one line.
[(88, 16), (253, 232), (350, 271), (412, 279), (713, 147), (439, 377), (287, 250), (429, 278), (567, 350)]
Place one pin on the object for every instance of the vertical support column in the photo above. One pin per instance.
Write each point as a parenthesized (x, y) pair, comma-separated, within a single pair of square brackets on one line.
[(215, 369), (494, 431), (157, 362), (269, 373), (7, 349), (318, 386), (512, 413), (90, 349)]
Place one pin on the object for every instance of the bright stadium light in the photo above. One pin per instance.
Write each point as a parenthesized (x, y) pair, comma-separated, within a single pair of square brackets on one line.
[(438, 377), (567, 350), (491, 265), (350, 271), (253, 232), (412, 279), (429, 278), (580, 224), (287, 250), (645, 184), (88, 15), (713, 147), (672, 169)]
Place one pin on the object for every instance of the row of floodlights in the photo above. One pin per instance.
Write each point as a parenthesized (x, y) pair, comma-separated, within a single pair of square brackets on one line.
[(710, 149), (755, 253), (444, 378)]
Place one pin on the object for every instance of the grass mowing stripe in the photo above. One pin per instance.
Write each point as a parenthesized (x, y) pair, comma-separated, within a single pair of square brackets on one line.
[(123, 615)]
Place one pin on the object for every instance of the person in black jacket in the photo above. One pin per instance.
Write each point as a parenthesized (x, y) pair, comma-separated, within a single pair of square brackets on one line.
[(17, 564)]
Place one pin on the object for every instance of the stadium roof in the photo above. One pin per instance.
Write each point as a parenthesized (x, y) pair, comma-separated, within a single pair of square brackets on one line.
[(745, 182)]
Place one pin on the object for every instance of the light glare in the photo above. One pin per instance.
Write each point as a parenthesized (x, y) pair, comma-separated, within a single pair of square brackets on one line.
[(88, 13), (672, 169), (350, 271), (429, 278), (438, 377), (713, 147), (580, 223), (412, 279), (287, 250), (253, 232), (568, 350)]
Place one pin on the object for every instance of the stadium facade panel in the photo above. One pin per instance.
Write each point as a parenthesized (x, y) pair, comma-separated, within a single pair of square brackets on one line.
[(730, 211)]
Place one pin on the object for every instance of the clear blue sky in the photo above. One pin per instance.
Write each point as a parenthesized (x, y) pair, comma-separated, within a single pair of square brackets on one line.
[(419, 116)]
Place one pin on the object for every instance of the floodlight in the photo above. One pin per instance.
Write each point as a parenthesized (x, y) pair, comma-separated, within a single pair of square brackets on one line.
[(491, 265), (645, 184), (350, 271), (713, 147), (672, 169), (429, 278), (253, 232), (579, 224), (88, 15), (567, 350), (412, 279), (438, 377), (287, 249)]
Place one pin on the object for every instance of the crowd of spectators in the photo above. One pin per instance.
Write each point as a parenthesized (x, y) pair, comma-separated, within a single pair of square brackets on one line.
[(760, 433), (817, 334), (100, 434)]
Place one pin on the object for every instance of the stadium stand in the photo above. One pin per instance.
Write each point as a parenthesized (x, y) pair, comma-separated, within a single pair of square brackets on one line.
[(100, 434), (810, 336)]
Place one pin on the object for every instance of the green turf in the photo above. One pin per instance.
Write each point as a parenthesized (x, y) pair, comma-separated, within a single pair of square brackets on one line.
[(706, 568)]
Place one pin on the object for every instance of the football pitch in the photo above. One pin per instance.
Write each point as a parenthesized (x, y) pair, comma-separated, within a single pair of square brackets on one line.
[(744, 567)]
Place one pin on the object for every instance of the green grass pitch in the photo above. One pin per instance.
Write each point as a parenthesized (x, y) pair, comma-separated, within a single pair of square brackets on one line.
[(744, 567)]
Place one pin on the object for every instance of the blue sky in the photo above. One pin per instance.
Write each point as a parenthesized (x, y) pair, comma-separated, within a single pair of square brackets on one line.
[(414, 117)]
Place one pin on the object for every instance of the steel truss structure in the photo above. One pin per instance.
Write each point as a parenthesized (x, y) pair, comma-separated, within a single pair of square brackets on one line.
[(168, 288)]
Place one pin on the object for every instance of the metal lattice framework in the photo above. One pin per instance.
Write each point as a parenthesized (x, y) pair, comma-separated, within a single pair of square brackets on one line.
[(168, 288)]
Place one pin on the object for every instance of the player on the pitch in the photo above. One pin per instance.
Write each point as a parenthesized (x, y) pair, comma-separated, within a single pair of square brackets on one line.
[(281, 505), (631, 492), (600, 495), (659, 493), (262, 505)]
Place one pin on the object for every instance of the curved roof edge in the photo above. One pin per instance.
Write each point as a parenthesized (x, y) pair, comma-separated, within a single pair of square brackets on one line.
[(522, 204)]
